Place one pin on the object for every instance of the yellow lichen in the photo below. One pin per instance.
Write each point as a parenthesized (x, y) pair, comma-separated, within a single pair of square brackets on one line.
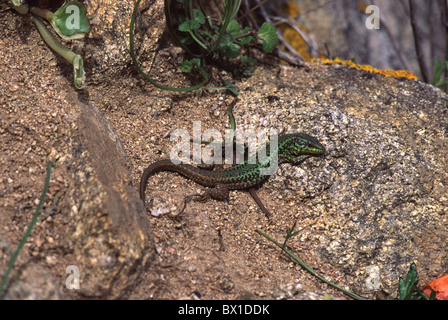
[(290, 35), (362, 6), (387, 73), (296, 40), (299, 44), (291, 9)]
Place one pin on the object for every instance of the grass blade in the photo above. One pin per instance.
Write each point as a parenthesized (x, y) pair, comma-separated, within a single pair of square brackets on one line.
[(300, 262), (28, 230)]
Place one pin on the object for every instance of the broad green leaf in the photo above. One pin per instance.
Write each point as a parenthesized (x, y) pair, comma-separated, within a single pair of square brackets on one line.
[(198, 16), (184, 26), (70, 21), (247, 65), (196, 61), (189, 25), (186, 66), (229, 48), (189, 65), (233, 28), (245, 30), (268, 35), (247, 40)]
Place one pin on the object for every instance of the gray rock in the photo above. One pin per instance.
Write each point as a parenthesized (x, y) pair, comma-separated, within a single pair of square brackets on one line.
[(110, 235), (379, 197), (375, 203), (340, 26), (106, 47)]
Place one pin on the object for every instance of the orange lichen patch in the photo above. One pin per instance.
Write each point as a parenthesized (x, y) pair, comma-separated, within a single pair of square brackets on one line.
[(289, 34), (387, 73), (440, 286), (291, 9), (362, 6), (296, 40)]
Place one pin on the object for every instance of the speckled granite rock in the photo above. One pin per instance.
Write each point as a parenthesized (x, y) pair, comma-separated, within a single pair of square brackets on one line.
[(375, 203), (109, 231), (106, 47), (380, 196), (99, 224)]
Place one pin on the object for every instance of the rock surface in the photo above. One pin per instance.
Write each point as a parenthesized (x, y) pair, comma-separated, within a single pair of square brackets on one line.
[(110, 233), (375, 203), (380, 199), (340, 26), (106, 47)]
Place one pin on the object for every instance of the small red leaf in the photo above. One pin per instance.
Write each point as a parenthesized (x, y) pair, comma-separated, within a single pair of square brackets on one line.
[(440, 286)]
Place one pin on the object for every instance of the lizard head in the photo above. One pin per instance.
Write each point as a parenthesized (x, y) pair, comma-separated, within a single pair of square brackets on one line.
[(303, 144)]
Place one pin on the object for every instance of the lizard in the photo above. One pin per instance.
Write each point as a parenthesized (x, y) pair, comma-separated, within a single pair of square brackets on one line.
[(291, 148)]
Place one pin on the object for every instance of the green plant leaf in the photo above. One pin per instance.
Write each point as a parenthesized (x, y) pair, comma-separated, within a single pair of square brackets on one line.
[(245, 68), (17, 2), (437, 72), (70, 21), (187, 40), (20, 6), (198, 16), (268, 35), (28, 231), (231, 88), (189, 25), (442, 84), (245, 30), (193, 65), (208, 34), (247, 40), (193, 24), (188, 65), (78, 72), (233, 28), (407, 287), (229, 48)]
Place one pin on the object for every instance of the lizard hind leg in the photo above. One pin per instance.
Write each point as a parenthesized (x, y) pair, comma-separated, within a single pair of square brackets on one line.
[(219, 192)]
